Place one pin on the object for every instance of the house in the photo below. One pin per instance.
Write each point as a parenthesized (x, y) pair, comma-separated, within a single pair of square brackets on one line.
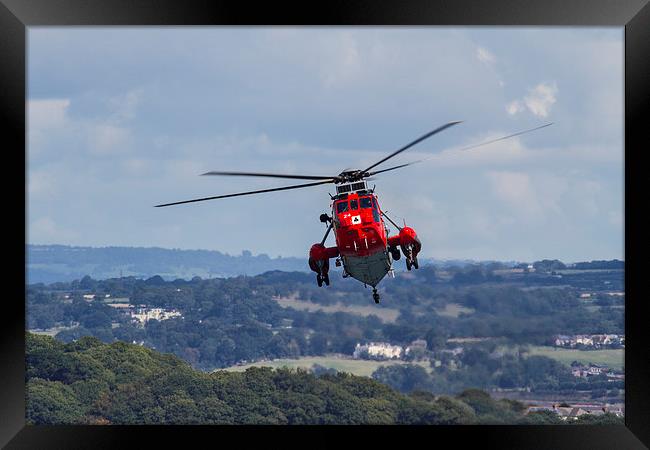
[(378, 350), (143, 315), (569, 412), (120, 305), (584, 340), (596, 369)]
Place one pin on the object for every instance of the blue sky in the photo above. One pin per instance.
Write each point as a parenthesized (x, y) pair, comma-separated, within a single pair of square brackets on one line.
[(121, 119)]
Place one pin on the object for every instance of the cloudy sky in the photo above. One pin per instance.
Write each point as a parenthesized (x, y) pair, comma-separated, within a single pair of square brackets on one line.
[(121, 119)]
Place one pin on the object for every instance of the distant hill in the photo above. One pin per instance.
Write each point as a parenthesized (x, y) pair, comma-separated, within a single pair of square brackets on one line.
[(52, 263), (62, 263)]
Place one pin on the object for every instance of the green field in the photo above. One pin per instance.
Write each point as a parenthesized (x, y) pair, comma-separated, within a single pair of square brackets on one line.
[(608, 357), (50, 331), (387, 315), (453, 310), (354, 366)]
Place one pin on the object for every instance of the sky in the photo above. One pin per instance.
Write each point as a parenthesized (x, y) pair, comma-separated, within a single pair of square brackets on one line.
[(124, 118)]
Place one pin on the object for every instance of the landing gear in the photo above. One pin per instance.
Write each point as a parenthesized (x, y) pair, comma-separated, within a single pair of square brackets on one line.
[(375, 295), (320, 279), (394, 252), (411, 261)]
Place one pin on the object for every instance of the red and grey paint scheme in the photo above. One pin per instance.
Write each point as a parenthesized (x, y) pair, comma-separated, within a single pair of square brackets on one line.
[(362, 242)]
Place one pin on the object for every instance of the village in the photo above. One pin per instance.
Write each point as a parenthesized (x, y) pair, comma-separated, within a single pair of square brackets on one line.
[(587, 341), (139, 314), (417, 350)]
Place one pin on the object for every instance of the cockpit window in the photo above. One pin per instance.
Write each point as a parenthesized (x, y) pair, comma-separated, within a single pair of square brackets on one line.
[(366, 202), (341, 207), (354, 204)]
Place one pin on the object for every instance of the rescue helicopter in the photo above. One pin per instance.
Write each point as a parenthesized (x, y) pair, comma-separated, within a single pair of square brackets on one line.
[(363, 245)]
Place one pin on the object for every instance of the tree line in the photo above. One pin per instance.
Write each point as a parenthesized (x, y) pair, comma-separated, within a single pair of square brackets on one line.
[(90, 382)]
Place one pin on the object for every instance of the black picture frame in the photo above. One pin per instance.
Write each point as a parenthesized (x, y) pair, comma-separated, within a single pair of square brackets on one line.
[(17, 15)]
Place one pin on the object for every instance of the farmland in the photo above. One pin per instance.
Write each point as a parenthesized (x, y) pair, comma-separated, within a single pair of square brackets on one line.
[(354, 366), (613, 358), (387, 315)]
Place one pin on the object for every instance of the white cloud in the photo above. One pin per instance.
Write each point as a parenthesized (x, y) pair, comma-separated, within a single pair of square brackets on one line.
[(514, 107), (538, 101), (541, 98), (485, 56)]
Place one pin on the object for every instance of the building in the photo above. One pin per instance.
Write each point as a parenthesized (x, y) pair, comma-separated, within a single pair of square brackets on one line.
[(143, 315), (377, 350), (593, 370), (596, 369), (584, 340)]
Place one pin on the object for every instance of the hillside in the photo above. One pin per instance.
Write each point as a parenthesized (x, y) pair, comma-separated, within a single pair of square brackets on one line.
[(62, 263), (88, 382), (119, 383), (53, 263)]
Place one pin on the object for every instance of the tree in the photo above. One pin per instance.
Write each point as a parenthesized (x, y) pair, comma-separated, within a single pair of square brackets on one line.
[(51, 402), (543, 417)]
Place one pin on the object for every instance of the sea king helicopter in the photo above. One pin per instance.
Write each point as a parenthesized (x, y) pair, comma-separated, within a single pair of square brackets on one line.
[(363, 245)]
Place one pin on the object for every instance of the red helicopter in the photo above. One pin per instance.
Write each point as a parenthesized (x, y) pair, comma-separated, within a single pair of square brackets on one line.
[(362, 242)]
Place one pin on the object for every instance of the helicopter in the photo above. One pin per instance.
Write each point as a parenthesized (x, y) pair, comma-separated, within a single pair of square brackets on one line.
[(363, 245)]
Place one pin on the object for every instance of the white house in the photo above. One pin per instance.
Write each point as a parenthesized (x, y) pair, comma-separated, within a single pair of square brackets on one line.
[(378, 349)]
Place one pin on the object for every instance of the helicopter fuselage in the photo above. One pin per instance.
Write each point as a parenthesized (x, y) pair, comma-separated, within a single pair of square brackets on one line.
[(361, 237), (362, 242)]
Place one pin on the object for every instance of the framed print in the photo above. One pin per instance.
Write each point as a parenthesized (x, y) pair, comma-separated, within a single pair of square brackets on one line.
[(474, 263)]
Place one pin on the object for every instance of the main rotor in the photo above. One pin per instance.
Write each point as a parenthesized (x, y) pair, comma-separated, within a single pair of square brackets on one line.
[(346, 176)]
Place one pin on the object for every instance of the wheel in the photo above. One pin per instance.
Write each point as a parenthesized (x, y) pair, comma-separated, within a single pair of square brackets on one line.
[(396, 254), (319, 280), (408, 264), (375, 297), (415, 263), (326, 279)]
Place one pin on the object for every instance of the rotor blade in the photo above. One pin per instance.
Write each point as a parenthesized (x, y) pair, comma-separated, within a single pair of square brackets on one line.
[(466, 148), (418, 140), (270, 175), (390, 168), (506, 137), (295, 186)]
